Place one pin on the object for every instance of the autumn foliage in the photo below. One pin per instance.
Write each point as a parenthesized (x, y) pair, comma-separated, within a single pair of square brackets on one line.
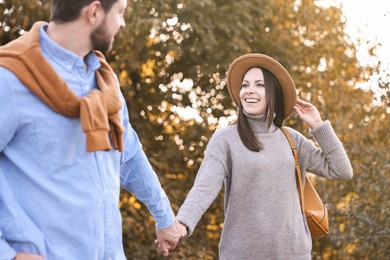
[(172, 57)]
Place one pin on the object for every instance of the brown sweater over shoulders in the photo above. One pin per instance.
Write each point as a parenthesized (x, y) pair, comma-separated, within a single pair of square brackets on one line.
[(98, 111)]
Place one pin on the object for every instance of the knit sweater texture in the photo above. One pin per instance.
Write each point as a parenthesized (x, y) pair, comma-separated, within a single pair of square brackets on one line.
[(263, 218)]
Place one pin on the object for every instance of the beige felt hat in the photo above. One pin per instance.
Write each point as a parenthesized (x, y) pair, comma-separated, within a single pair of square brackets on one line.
[(245, 62)]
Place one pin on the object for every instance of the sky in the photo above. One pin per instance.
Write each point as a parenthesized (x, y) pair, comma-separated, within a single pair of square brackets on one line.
[(368, 20)]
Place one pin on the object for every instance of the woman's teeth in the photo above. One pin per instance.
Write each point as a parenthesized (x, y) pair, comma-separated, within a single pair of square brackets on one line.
[(251, 100)]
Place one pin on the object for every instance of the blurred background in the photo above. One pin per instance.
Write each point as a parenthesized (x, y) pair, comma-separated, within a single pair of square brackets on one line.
[(171, 59)]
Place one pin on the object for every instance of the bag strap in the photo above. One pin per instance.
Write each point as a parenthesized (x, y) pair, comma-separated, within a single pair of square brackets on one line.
[(297, 168)]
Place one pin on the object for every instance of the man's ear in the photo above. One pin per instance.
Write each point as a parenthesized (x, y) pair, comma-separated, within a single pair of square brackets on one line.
[(94, 12)]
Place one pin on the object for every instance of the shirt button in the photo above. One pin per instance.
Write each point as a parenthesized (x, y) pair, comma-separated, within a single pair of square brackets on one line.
[(86, 87), (105, 191), (110, 258)]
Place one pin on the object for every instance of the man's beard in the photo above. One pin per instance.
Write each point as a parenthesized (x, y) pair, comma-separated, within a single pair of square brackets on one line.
[(101, 39)]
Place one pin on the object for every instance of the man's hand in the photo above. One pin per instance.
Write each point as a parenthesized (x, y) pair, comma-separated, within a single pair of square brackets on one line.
[(28, 256), (168, 238)]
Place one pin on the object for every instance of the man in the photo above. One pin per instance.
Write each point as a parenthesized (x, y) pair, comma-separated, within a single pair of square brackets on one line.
[(66, 144)]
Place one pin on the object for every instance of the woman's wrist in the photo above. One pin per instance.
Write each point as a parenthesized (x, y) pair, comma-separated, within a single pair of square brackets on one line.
[(316, 124)]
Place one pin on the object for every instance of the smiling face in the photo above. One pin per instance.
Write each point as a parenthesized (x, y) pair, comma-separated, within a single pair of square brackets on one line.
[(252, 93)]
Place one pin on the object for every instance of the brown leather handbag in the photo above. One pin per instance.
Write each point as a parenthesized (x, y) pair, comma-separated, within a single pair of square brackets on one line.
[(311, 203)]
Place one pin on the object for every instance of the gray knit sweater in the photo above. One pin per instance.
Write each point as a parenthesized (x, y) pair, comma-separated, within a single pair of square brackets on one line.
[(263, 219)]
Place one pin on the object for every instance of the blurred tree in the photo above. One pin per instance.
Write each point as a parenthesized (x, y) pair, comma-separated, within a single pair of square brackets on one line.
[(171, 59)]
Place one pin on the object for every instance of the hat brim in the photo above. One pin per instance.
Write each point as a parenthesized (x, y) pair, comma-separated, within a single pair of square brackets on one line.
[(245, 62)]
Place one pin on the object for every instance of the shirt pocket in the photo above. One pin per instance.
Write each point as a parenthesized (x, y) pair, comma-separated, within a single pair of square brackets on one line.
[(61, 140)]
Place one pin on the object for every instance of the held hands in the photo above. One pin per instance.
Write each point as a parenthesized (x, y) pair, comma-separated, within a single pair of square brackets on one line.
[(168, 238), (308, 113)]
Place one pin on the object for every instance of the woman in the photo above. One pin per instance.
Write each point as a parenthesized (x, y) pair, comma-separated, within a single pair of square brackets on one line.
[(263, 218)]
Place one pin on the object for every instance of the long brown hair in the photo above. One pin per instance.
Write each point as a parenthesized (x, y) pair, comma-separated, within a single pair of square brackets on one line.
[(275, 106)]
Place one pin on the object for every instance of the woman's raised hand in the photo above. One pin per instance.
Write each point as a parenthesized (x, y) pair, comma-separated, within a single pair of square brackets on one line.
[(308, 113)]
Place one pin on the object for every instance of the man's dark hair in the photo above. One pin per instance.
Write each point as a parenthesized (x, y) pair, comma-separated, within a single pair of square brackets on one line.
[(69, 10), (273, 113)]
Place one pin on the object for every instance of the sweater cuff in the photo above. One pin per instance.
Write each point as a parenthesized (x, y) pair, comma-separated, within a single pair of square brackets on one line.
[(326, 137), (98, 140), (189, 215)]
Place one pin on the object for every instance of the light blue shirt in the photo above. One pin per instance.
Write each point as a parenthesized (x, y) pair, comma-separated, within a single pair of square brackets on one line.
[(56, 199)]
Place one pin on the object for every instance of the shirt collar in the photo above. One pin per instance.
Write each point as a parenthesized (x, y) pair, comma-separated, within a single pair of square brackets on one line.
[(64, 57)]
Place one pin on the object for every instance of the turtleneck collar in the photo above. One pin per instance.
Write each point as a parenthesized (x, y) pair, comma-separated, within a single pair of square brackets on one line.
[(258, 123)]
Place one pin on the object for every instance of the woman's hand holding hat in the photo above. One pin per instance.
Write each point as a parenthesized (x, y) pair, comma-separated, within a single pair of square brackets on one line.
[(308, 113)]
